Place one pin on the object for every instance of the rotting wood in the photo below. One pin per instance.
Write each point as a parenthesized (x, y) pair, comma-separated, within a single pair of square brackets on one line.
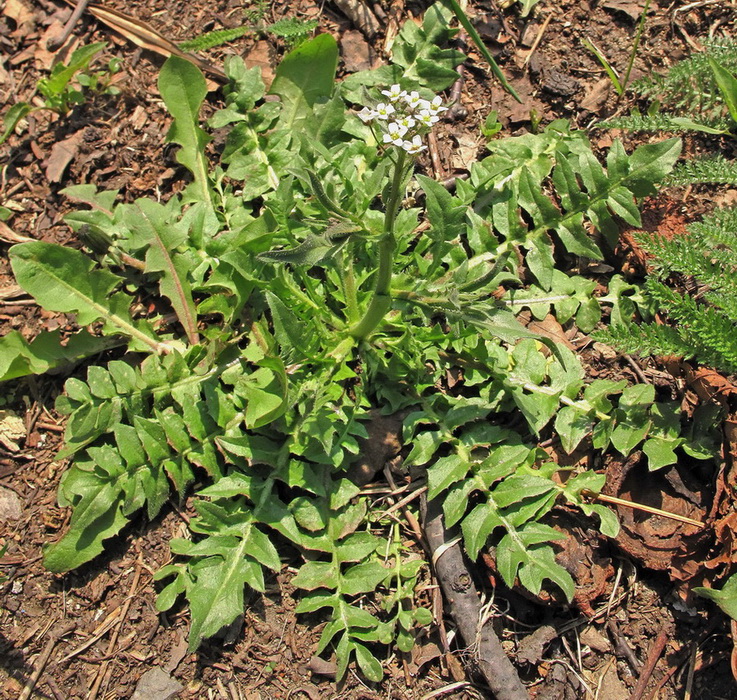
[(463, 601)]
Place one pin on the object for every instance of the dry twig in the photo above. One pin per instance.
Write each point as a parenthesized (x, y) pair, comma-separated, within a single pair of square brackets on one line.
[(44, 657), (463, 599)]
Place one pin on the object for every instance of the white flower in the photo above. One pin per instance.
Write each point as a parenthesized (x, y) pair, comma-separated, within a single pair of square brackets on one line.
[(395, 133), (406, 121), (367, 115), (413, 146), (413, 99), (427, 117), (436, 105), (384, 111), (394, 93)]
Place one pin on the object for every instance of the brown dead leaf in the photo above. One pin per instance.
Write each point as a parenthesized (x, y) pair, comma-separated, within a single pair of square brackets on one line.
[(41, 55), (597, 95), (320, 667), (632, 8), (263, 56), (591, 637), (466, 152), (7, 235), (356, 52), (18, 11), (709, 384), (550, 328), (531, 647), (62, 153), (361, 15)]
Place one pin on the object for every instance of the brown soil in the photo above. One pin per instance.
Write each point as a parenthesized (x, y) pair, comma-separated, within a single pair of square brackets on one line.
[(95, 632)]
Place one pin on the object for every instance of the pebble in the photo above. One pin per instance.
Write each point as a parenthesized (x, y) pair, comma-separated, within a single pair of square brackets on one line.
[(11, 507), (156, 684)]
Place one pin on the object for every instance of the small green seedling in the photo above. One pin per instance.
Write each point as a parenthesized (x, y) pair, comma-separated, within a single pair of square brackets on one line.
[(65, 87)]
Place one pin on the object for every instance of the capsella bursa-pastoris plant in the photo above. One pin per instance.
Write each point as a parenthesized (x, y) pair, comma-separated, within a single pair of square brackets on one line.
[(298, 298)]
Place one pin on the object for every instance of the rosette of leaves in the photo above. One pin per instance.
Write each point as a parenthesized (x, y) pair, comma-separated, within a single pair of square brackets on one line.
[(252, 395)]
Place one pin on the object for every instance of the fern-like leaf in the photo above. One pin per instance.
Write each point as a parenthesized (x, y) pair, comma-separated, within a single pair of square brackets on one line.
[(711, 169), (210, 40)]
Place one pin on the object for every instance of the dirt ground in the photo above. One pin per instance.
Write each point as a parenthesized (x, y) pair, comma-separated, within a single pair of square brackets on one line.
[(95, 633)]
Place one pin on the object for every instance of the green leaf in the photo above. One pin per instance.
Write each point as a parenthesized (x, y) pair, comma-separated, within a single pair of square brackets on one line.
[(19, 358), (726, 598), (446, 471), (572, 426), (316, 574), (183, 89), (305, 76), (63, 279), (363, 578), (62, 74), (97, 515), (217, 598), (368, 663), (660, 452), (727, 84), (17, 112), (151, 228)]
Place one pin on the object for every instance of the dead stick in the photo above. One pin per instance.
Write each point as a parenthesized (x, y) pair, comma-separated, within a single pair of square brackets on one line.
[(56, 42), (43, 659), (463, 599), (621, 648), (640, 506), (652, 658)]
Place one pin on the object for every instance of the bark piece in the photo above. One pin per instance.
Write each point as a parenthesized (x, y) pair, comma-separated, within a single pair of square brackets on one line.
[(463, 600)]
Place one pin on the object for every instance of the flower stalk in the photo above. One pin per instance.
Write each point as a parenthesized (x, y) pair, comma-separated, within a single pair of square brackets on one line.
[(381, 297), (404, 119)]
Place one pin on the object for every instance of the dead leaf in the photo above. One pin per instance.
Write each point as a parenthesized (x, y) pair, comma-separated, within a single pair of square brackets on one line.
[(610, 687), (356, 52), (467, 151), (7, 235), (632, 9), (41, 55), (12, 428), (18, 11), (531, 648), (62, 153), (550, 328), (596, 97), (263, 56), (320, 667)]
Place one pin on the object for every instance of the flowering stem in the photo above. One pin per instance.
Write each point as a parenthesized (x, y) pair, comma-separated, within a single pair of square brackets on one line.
[(381, 299)]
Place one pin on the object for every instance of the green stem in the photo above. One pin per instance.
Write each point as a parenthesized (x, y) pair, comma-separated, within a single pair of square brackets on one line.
[(381, 299), (635, 46), (348, 281)]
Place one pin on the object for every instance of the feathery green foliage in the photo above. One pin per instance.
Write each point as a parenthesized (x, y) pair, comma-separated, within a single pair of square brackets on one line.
[(217, 37), (696, 92), (689, 86), (703, 324), (708, 169)]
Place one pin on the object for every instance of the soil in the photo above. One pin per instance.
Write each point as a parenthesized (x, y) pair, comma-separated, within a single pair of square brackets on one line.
[(95, 633)]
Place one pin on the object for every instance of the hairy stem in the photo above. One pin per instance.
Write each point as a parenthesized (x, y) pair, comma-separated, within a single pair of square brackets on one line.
[(381, 298)]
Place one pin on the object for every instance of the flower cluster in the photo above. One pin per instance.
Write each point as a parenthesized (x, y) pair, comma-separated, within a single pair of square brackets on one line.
[(405, 116)]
